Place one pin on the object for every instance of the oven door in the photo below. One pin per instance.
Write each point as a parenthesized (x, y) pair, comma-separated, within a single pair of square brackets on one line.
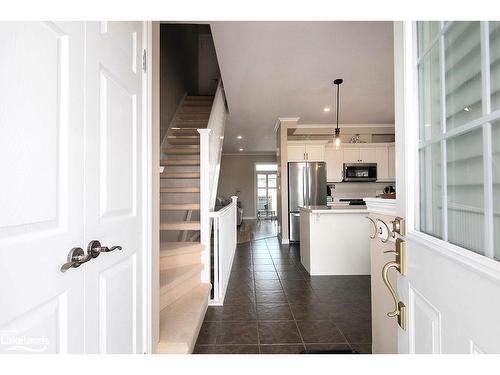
[(359, 172)]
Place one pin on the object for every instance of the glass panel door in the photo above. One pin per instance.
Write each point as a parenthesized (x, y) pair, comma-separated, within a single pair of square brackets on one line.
[(266, 194)]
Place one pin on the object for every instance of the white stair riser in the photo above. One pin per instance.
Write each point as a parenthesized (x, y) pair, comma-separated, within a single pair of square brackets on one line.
[(177, 260)]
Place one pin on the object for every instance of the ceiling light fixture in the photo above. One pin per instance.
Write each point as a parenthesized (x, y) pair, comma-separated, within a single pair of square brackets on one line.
[(239, 137), (337, 82), (466, 109), (241, 149), (326, 109)]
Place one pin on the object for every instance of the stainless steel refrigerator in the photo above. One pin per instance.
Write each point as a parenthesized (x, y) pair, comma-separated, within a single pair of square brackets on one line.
[(306, 187)]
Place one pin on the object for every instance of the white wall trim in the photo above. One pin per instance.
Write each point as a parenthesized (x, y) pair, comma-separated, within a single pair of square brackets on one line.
[(342, 126), (249, 217), (288, 119), (256, 153)]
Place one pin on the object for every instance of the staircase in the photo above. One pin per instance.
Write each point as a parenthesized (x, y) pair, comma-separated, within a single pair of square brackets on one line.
[(183, 297)]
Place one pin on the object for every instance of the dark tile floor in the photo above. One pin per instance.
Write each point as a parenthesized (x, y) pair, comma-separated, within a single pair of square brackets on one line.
[(272, 305)]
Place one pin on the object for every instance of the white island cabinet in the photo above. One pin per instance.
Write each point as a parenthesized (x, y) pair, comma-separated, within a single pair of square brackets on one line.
[(334, 240)]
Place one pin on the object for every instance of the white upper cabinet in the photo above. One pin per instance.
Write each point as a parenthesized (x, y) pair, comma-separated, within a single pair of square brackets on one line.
[(382, 160), (351, 155), (334, 164), (298, 151), (392, 162), (382, 154), (315, 152), (368, 154)]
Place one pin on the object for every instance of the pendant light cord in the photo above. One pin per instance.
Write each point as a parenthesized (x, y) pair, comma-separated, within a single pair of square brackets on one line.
[(338, 99)]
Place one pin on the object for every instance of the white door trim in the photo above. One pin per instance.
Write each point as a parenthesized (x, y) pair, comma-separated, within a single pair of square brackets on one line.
[(151, 188)]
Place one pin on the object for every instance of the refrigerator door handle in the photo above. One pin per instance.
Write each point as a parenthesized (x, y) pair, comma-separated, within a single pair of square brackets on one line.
[(304, 186)]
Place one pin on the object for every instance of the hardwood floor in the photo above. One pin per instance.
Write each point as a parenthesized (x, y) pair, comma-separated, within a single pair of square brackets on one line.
[(251, 230)]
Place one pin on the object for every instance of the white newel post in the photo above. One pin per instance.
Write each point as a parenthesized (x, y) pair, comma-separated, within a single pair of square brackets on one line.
[(205, 202)]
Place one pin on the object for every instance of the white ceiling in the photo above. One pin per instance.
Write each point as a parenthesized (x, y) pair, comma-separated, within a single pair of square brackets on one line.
[(286, 69)]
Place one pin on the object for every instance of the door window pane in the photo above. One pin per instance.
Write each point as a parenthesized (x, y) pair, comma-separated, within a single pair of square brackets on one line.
[(271, 180), (261, 180), (496, 187), (427, 32), (495, 64), (465, 190), (462, 45), (431, 205), (429, 95)]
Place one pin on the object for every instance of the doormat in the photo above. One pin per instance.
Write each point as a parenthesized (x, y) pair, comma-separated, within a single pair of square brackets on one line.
[(338, 351)]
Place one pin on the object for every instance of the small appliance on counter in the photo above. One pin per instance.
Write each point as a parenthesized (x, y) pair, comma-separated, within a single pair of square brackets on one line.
[(389, 192)]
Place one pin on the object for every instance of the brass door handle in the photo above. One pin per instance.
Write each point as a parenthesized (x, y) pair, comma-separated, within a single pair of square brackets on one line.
[(400, 265), (387, 283), (374, 226)]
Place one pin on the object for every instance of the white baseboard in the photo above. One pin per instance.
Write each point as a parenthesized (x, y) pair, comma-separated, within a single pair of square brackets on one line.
[(249, 218)]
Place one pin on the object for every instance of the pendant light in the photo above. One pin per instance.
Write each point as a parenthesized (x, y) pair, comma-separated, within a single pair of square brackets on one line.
[(337, 82)]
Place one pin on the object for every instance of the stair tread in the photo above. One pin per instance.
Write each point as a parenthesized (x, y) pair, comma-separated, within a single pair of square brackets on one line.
[(176, 248), (180, 189), (179, 206), (174, 162), (180, 175), (181, 151), (174, 276), (180, 225), (180, 322)]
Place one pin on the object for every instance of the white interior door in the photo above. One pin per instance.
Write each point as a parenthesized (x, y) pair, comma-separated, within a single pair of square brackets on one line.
[(41, 194), (448, 176), (113, 190)]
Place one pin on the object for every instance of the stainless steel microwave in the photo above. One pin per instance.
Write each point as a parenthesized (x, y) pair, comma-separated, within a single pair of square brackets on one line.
[(360, 172)]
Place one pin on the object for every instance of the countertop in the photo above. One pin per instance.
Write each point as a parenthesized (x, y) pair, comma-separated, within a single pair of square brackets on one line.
[(336, 208)]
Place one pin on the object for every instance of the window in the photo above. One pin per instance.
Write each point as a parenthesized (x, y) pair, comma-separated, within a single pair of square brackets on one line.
[(266, 190), (459, 133)]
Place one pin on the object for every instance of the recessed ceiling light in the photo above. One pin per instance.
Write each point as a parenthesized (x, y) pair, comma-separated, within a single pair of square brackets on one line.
[(241, 149), (466, 109), (326, 109), (239, 137)]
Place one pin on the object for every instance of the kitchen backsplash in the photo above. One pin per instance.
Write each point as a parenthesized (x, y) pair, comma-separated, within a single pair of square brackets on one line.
[(358, 189)]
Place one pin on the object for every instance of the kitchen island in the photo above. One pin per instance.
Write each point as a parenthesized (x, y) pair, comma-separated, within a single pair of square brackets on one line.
[(334, 240)]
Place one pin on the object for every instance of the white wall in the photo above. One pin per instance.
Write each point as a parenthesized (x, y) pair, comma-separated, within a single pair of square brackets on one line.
[(237, 173)]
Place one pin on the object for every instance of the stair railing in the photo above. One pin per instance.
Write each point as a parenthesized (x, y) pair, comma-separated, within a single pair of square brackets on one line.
[(224, 248), (211, 140)]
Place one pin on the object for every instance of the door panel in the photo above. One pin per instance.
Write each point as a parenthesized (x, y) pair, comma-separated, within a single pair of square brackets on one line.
[(294, 220), (334, 164), (316, 184), (113, 188), (296, 186), (447, 289), (368, 155), (296, 152), (315, 152), (351, 155), (382, 160), (41, 218)]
